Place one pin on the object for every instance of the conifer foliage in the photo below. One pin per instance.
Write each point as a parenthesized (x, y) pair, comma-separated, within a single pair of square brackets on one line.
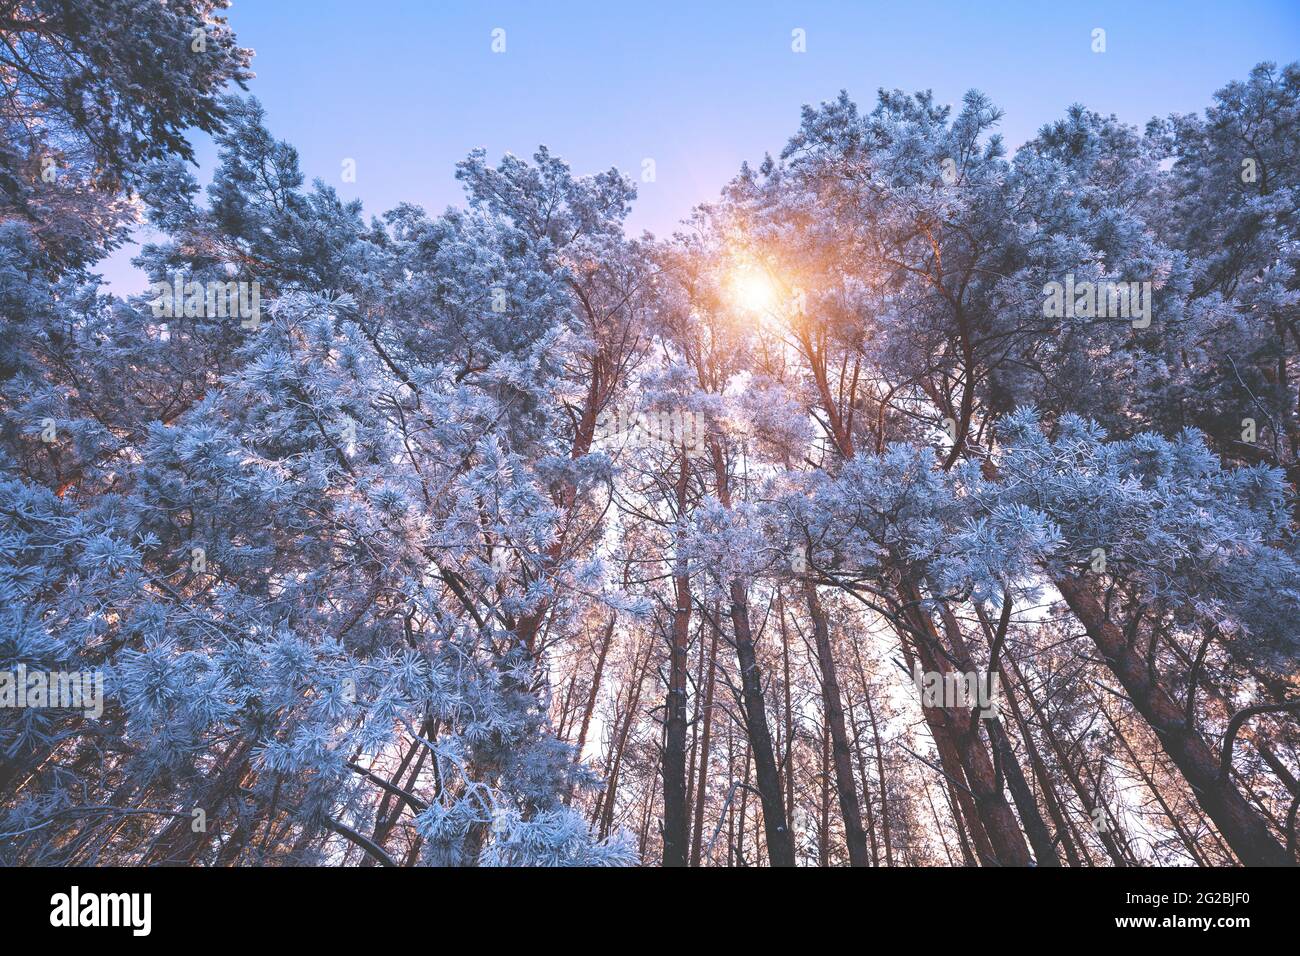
[(827, 531)]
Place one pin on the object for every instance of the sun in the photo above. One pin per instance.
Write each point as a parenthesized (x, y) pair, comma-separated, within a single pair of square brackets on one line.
[(751, 289)]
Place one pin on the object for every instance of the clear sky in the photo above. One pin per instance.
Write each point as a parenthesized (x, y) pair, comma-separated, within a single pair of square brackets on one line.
[(407, 87)]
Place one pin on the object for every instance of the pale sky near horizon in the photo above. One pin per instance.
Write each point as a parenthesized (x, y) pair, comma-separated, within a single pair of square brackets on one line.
[(407, 87)]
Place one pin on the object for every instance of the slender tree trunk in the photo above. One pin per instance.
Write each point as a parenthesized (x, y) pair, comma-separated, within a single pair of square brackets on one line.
[(179, 844), (620, 742), (780, 846), (824, 824), (676, 821), (1041, 774), (1113, 849), (866, 787), (854, 838), (590, 707), (788, 714), (1040, 838), (647, 811), (951, 764), (880, 760), (693, 755), (1189, 842), (697, 841), (566, 706), (1031, 819), (1243, 828), (742, 816), (387, 815), (731, 803), (939, 827), (1000, 823), (966, 823)]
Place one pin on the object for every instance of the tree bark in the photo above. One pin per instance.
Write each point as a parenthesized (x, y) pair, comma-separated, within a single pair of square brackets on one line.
[(590, 707), (1243, 828), (854, 838), (620, 743), (697, 841), (676, 820), (780, 845), (1000, 823)]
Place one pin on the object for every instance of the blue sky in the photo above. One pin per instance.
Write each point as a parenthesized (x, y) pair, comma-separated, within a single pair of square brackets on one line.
[(407, 87)]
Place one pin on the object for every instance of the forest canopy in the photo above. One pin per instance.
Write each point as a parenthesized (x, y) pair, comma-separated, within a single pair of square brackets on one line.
[(916, 503)]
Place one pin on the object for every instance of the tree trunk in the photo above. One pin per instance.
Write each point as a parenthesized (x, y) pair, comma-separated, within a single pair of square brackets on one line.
[(953, 769), (179, 844), (1040, 838), (880, 761), (1243, 828), (1041, 774), (620, 743), (590, 708), (697, 841), (866, 787), (1086, 800), (1000, 823), (788, 715), (780, 846), (824, 824), (854, 838), (676, 820)]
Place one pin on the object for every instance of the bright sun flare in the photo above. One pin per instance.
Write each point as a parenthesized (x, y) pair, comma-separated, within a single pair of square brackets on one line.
[(753, 290)]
